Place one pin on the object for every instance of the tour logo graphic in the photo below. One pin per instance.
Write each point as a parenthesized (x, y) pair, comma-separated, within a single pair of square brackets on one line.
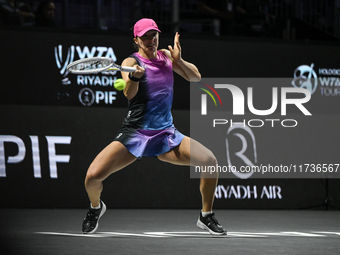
[(305, 77), (311, 78), (62, 62)]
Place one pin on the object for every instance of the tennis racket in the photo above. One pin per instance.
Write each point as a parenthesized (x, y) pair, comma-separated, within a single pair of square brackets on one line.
[(96, 65)]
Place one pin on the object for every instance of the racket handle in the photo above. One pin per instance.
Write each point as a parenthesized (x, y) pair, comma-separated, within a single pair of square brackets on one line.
[(127, 69)]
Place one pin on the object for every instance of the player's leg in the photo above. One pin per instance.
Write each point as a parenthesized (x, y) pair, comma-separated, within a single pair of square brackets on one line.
[(111, 159), (203, 157), (191, 152)]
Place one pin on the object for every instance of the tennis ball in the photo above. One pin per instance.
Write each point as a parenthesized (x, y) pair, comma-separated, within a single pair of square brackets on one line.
[(119, 84)]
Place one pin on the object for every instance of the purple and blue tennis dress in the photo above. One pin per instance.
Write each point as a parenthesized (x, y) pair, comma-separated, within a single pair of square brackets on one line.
[(148, 128)]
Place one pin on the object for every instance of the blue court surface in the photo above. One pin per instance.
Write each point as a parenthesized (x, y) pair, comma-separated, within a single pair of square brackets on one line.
[(58, 231)]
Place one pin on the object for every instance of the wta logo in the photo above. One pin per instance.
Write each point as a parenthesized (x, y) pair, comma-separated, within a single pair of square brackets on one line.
[(326, 79), (204, 97), (62, 63), (64, 58)]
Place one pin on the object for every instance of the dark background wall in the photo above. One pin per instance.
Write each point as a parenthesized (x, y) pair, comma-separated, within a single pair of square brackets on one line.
[(34, 102)]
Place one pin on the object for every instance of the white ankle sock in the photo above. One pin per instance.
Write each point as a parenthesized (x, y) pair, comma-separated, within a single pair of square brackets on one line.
[(205, 214), (97, 207)]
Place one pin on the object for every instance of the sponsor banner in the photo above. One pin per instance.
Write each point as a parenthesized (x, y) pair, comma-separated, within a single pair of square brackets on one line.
[(94, 89), (44, 79), (271, 193), (43, 56), (45, 152), (262, 128), (51, 147)]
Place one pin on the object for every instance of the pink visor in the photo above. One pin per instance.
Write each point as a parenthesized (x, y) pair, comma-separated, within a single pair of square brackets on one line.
[(144, 25)]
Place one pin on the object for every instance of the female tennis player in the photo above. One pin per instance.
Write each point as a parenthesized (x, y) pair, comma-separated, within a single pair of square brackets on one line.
[(148, 129)]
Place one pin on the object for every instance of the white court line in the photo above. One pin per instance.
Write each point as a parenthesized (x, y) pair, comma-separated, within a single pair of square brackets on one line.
[(284, 233), (327, 233), (69, 234), (199, 234), (204, 234), (98, 234), (128, 234), (303, 234)]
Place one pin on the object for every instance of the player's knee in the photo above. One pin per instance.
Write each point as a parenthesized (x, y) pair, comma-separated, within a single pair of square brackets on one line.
[(89, 180), (210, 160), (92, 178)]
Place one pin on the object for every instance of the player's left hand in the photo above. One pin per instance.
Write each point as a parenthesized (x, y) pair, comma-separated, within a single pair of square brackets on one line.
[(176, 50)]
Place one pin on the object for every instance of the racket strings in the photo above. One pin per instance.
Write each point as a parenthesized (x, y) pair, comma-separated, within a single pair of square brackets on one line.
[(96, 65), (91, 65)]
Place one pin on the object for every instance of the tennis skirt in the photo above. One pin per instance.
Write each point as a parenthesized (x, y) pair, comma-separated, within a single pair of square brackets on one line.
[(149, 143)]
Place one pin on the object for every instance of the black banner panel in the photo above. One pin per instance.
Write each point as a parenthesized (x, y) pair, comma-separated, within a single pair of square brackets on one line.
[(53, 124), (45, 152), (33, 65)]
